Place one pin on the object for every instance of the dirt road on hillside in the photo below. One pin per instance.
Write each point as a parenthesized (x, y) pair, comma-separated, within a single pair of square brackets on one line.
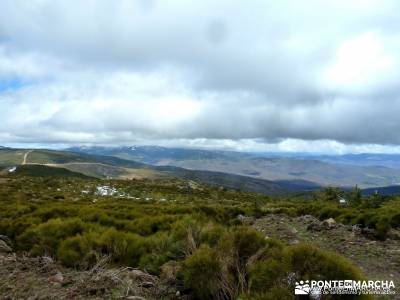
[(25, 156)]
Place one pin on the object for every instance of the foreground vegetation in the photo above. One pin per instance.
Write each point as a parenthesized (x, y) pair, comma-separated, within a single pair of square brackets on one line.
[(181, 231)]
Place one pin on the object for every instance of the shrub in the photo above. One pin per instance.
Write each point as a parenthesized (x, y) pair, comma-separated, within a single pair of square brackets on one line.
[(159, 249), (329, 212), (382, 227), (45, 238), (187, 234), (211, 233), (124, 248), (309, 262), (395, 221), (264, 275), (246, 242), (76, 251), (201, 273)]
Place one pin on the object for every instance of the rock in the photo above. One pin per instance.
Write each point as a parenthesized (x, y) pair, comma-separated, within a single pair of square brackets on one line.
[(46, 260), (393, 234), (58, 277), (368, 233), (4, 248), (329, 223), (356, 229), (147, 284), (6, 239), (194, 185), (315, 226), (307, 219), (138, 275), (246, 220)]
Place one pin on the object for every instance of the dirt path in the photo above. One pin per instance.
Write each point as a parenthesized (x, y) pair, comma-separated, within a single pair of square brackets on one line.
[(25, 156)]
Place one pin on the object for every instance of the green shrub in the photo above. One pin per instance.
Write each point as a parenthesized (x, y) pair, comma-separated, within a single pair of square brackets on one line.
[(246, 242), (395, 220), (382, 227), (201, 273), (309, 262), (45, 238), (211, 233), (187, 234), (75, 251), (329, 212), (264, 275), (124, 248), (160, 248)]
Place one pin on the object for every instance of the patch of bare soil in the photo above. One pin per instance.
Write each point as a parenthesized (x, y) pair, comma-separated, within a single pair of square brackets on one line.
[(23, 277)]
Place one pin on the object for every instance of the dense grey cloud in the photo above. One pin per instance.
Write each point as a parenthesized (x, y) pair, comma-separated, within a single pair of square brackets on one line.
[(219, 72)]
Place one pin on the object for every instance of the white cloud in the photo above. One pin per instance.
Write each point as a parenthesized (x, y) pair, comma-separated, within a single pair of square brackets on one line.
[(308, 74), (366, 61)]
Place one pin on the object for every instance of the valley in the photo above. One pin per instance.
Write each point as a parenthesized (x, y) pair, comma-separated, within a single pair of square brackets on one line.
[(365, 171)]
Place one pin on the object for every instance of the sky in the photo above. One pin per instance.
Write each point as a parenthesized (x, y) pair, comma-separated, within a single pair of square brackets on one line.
[(261, 75)]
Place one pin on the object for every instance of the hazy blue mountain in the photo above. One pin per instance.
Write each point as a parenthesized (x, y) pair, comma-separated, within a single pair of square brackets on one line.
[(363, 159), (159, 155), (383, 191)]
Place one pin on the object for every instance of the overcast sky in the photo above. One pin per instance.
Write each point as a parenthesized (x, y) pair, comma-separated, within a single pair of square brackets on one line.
[(320, 76)]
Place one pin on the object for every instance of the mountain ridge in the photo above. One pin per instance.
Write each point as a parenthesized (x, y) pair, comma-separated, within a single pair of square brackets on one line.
[(322, 170), (113, 167)]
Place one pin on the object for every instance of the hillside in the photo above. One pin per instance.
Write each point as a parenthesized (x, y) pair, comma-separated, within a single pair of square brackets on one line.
[(319, 170), (364, 159), (66, 237), (101, 166), (45, 171), (240, 182)]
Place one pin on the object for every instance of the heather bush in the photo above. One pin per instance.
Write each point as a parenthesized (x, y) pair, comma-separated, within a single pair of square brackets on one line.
[(77, 251), (201, 272), (124, 248), (309, 262), (45, 238)]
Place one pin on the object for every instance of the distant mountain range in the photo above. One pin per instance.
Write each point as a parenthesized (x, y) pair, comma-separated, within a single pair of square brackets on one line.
[(246, 171), (101, 166), (364, 170), (363, 159)]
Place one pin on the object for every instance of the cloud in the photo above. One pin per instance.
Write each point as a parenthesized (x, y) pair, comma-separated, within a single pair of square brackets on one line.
[(125, 71)]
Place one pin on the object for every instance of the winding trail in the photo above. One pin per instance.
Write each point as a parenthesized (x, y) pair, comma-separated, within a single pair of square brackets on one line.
[(25, 156)]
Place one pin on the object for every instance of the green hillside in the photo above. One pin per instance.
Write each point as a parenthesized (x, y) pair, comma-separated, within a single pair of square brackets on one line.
[(188, 235), (9, 157), (45, 171)]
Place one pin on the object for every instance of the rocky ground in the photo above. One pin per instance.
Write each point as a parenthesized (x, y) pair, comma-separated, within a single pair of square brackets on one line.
[(23, 277), (379, 260)]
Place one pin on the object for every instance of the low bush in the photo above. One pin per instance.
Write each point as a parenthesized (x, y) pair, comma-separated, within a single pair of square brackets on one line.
[(309, 262), (45, 238), (201, 272)]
